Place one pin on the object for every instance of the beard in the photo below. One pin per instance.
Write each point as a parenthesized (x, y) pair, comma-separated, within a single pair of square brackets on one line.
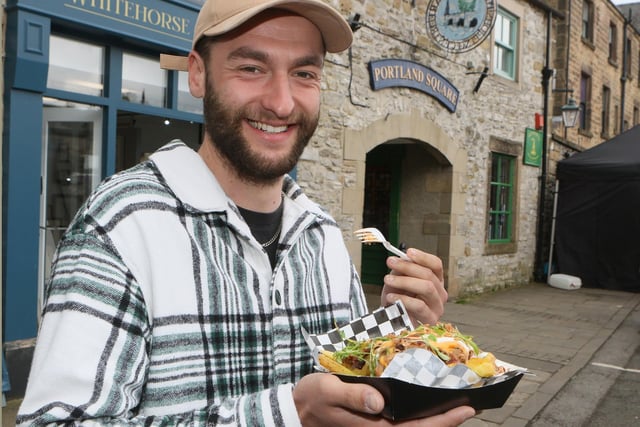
[(223, 123)]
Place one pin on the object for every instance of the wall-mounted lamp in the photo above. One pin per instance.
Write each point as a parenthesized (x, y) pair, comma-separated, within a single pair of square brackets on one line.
[(570, 113), (570, 110)]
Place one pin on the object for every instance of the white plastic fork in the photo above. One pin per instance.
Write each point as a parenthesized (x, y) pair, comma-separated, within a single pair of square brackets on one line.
[(373, 235)]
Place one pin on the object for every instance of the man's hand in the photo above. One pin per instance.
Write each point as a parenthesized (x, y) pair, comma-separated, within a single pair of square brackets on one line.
[(419, 284), (324, 400)]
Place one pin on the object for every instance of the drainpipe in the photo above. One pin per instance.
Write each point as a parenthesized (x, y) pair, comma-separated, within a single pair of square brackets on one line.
[(623, 76), (547, 73)]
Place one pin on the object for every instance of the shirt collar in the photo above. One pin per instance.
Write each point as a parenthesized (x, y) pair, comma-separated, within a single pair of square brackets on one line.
[(194, 184), (189, 178)]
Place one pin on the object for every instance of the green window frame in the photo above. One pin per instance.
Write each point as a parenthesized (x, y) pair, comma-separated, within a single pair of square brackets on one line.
[(501, 196), (505, 48)]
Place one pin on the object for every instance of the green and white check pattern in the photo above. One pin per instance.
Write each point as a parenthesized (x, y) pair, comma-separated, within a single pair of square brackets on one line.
[(164, 310)]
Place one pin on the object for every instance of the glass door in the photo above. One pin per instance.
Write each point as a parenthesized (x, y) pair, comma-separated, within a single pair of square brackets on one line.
[(71, 169)]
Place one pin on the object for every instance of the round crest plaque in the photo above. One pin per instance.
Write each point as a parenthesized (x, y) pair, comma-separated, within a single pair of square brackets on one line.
[(460, 25)]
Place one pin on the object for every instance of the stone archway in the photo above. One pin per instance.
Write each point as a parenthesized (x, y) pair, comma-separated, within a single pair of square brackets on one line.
[(439, 233)]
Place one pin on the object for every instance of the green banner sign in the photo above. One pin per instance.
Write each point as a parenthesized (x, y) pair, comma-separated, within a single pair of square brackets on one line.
[(532, 147)]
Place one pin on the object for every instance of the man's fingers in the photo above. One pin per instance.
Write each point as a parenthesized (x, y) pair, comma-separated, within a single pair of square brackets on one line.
[(428, 260), (358, 398)]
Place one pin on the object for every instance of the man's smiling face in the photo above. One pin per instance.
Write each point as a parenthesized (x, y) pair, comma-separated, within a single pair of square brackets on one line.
[(262, 94)]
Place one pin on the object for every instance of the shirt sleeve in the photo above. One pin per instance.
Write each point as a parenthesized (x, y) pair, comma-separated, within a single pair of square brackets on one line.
[(92, 353), (358, 299)]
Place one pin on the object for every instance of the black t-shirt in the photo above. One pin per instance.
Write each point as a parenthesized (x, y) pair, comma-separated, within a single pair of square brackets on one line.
[(265, 227)]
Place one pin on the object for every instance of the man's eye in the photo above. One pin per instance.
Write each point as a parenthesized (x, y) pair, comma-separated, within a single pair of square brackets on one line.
[(307, 75), (250, 69)]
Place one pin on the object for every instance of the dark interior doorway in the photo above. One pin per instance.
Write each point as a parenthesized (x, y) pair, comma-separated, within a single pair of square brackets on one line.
[(381, 206)]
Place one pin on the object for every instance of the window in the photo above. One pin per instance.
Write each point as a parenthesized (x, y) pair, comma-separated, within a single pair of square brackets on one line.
[(638, 67), (186, 102), (626, 59), (501, 198), (613, 43), (585, 102), (606, 110), (636, 115), (616, 115), (143, 81), (587, 21), (505, 49), (75, 66)]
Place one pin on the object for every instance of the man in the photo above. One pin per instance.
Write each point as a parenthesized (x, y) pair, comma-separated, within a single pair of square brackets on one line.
[(179, 291)]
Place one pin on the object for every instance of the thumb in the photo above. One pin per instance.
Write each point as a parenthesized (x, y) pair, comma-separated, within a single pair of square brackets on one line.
[(364, 398)]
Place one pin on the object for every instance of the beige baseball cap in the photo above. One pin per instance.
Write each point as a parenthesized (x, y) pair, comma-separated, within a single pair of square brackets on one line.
[(221, 16)]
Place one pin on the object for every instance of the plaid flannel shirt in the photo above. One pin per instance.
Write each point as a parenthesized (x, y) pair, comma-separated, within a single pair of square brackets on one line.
[(163, 309)]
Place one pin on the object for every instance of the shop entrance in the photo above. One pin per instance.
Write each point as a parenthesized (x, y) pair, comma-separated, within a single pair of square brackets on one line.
[(139, 135), (72, 135), (72, 162)]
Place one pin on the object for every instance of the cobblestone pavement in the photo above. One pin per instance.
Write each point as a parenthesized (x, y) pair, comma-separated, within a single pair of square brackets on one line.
[(555, 334)]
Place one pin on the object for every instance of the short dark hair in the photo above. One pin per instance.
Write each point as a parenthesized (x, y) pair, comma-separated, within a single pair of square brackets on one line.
[(203, 47)]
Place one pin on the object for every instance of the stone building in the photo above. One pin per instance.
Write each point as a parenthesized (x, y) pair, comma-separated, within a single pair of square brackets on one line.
[(445, 198), (596, 61)]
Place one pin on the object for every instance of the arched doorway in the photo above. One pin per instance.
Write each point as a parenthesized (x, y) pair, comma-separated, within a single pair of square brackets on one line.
[(427, 165)]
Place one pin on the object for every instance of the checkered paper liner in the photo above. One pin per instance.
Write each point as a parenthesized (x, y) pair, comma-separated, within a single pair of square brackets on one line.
[(378, 323), (417, 366)]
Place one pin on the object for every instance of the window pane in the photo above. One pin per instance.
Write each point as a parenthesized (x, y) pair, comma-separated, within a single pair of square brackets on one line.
[(613, 42), (72, 138), (506, 31), (500, 198), (186, 102), (505, 47), (585, 20), (504, 61), (75, 66), (585, 99), (143, 81)]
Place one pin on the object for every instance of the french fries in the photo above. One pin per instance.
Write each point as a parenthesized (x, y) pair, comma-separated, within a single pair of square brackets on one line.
[(372, 356), (328, 361)]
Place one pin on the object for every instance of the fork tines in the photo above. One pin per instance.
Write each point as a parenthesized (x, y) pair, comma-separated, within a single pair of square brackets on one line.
[(366, 236)]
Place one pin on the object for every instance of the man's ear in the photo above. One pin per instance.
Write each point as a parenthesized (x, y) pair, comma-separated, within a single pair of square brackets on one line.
[(197, 75)]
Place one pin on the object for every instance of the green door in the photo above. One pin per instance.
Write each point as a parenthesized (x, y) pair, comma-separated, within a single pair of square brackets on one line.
[(381, 207)]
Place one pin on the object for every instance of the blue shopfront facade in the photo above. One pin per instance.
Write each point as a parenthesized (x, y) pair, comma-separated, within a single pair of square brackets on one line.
[(70, 120)]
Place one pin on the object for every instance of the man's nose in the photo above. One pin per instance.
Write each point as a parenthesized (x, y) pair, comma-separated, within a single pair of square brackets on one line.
[(279, 96)]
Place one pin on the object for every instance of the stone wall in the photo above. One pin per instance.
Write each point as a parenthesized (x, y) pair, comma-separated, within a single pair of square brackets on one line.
[(499, 109), (575, 56)]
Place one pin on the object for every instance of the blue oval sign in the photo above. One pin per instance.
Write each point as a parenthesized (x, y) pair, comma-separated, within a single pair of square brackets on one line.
[(386, 73)]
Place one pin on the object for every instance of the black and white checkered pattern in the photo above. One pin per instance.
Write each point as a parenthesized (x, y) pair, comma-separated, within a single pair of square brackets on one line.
[(420, 366), (378, 323)]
